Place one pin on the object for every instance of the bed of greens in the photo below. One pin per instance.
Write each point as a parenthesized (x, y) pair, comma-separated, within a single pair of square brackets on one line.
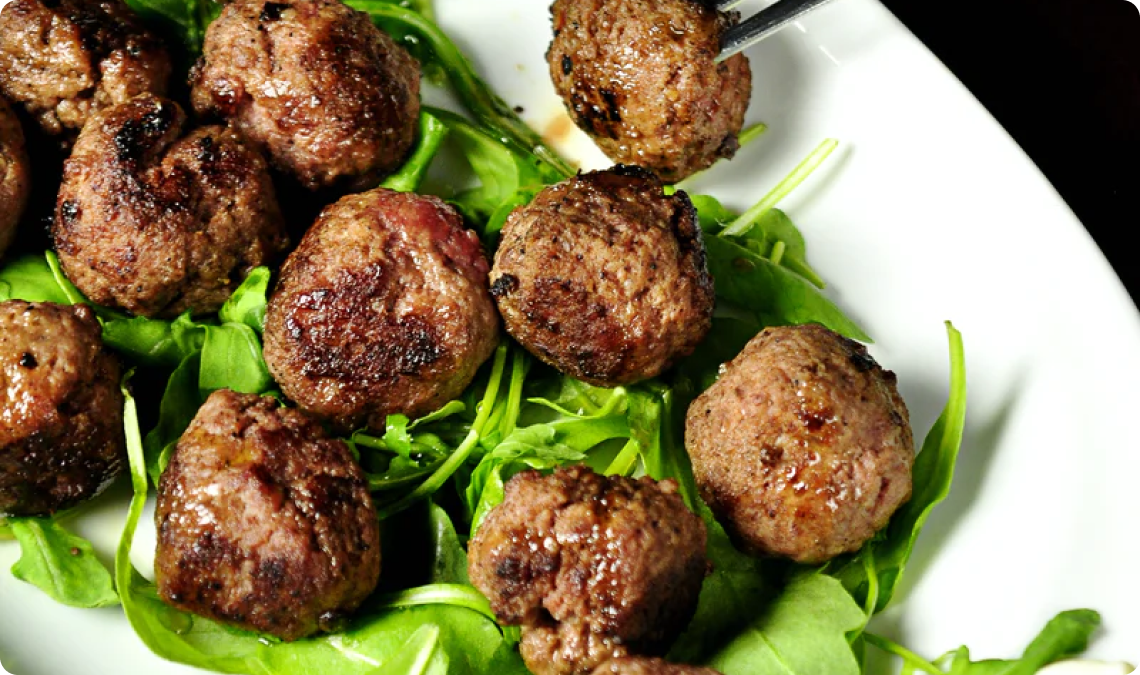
[(435, 479)]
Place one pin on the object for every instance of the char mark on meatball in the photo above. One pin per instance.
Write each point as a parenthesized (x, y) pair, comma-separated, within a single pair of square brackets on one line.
[(803, 447), (329, 97), (592, 567), (158, 223), (64, 61), (604, 277), (640, 77), (383, 308), (264, 522), (61, 421), (14, 175)]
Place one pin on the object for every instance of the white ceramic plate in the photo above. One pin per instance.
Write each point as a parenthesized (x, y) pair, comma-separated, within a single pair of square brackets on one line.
[(930, 212)]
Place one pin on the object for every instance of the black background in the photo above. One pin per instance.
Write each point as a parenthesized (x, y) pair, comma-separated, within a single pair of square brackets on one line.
[(1063, 77)]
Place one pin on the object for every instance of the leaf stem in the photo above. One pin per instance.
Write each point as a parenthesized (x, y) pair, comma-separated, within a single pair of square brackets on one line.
[(455, 595), (785, 187), (909, 658), (457, 458)]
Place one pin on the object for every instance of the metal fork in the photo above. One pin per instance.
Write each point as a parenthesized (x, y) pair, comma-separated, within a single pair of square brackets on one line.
[(762, 24)]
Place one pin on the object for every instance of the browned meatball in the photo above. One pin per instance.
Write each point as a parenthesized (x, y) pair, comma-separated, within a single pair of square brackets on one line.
[(591, 567), (644, 666), (65, 60), (604, 277), (61, 418), (264, 522), (639, 76), (331, 98), (382, 309), (803, 446), (158, 223), (14, 178)]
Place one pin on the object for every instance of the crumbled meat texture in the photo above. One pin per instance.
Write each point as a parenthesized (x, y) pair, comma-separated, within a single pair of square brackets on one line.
[(264, 522), (328, 96), (61, 420), (383, 308), (14, 175), (604, 277), (639, 76), (158, 223), (803, 447), (645, 666), (65, 60), (591, 567)]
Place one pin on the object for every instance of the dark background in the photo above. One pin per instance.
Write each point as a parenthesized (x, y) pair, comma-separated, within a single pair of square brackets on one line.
[(1063, 77)]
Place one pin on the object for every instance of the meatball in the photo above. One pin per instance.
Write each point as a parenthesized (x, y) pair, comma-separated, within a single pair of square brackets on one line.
[(65, 60), (644, 666), (158, 223), (803, 447), (329, 97), (382, 309), (264, 522), (61, 421), (639, 76), (591, 567), (14, 175), (604, 277)]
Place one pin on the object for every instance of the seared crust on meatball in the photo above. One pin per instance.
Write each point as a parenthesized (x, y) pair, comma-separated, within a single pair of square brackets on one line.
[(330, 97), (382, 309), (803, 447), (158, 223), (14, 175), (65, 60), (264, 522), (604, 277), (639, 76), (644, 666), (591, 567), (61, 424)]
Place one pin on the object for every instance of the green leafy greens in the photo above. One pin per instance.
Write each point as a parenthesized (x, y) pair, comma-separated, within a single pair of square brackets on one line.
[(436, 478)]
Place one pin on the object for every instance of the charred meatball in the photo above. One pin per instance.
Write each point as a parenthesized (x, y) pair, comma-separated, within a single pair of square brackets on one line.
[(803, 446), (331, 98), (604, 277), (591, 567), (639, 76), (157, 222), (383, 308), (14, 177), (644, 666), (61, 421), (65, 60), (264, 522)]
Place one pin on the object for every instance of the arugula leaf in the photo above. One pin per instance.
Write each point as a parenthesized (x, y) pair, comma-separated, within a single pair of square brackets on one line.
[(452, 464), (154, 342), (504, 169), (231, 359), (180, 403), (777, 296), (803, 631), (420, 655), (30, 278), (61, 564), (248, 303), (1066, 635), (409, 177), (933, 473)]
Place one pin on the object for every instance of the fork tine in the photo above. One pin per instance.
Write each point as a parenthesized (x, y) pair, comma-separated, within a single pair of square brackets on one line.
[(762, 24)]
